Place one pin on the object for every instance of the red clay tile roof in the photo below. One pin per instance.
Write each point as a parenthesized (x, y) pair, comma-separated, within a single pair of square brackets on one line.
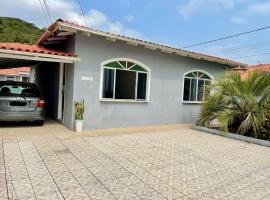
[(33, 49), (58, 22), (14, 71), (263, 67), (24, 69), (196, 53), (259, 67)]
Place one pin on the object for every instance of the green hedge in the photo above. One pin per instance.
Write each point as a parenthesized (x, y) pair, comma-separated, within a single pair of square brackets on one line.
[(265, 129)]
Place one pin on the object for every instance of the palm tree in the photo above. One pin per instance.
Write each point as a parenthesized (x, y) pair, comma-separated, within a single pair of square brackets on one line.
[(238, 104)]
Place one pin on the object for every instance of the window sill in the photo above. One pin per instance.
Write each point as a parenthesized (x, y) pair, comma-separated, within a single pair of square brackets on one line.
[(123, 101), (192, 102)]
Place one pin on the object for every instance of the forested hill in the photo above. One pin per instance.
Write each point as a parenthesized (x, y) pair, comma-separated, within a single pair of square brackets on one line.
[(17, 30)]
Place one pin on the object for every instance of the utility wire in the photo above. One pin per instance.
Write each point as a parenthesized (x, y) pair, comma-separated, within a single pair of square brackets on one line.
[(44, 12), (227, 37), (254, 55), (245, 46), (83, 15), (252, 47), (48, 10)]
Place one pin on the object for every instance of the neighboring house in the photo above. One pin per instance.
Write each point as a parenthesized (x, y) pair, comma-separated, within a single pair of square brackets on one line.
[(258, 67), (124, 81), (15, 74)]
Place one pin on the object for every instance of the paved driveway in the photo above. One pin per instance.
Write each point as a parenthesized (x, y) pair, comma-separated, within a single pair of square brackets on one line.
[(178, 163)]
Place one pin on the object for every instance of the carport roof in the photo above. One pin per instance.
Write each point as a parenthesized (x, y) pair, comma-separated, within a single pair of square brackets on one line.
[(25, 54), (33, 49)]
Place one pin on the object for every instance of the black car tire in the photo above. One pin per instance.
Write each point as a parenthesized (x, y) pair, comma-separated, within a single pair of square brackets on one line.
[(39, 122)]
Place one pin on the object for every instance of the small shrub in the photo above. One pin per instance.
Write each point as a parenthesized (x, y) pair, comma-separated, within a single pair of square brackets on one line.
[(240, 105), (264, 132), (79, 109)]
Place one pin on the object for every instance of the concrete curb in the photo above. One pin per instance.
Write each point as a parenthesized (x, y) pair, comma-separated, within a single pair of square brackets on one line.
[(232, 135)]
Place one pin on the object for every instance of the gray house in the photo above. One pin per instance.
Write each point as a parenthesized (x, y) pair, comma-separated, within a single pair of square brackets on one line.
[(125, 82)]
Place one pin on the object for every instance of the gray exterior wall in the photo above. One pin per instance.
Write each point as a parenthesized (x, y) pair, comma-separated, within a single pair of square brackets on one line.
[(69, 96), (167, 70)]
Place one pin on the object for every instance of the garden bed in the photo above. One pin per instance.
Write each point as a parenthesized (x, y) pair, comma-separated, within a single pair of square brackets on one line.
[(233, 136)]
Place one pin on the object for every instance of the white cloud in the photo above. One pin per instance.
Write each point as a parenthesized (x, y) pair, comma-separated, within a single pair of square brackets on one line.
[(193, 6), (250, 11), (99, 20), (31, 11), (244, 9), (238, 19), (129, 18), (259, 8)]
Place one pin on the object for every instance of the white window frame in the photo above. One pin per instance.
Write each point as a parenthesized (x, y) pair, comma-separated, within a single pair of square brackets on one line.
[(183, 86), (148, 82)]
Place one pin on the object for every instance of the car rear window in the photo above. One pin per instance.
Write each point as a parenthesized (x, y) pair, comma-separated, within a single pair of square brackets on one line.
[(12, 89)]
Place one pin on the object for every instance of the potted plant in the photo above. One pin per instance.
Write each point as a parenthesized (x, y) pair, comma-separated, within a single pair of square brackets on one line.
[(79, 112)]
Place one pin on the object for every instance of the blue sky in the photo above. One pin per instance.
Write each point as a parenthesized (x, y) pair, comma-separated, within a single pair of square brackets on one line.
[(174, 22)]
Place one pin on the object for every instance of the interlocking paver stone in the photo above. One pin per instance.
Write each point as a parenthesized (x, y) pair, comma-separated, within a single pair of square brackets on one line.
[(52, 162)]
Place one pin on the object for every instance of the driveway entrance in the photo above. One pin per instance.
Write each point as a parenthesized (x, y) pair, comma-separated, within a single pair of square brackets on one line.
[(178, 163)]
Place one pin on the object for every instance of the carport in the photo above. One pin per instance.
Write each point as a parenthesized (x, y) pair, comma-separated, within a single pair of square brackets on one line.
[(48, 70)]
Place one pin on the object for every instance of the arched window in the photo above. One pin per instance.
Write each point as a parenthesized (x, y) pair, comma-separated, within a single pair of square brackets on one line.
[(196, 86), (124, 79)]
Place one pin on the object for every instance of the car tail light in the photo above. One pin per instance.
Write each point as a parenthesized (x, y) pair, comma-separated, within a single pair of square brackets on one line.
[(41, 102)]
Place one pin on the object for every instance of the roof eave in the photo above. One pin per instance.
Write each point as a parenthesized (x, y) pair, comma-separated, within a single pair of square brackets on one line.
[(4, 53), (62, 26), (49, 31)]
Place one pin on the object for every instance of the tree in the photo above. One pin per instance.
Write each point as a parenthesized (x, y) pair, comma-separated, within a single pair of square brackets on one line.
[(238, 104), (17, 30)]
